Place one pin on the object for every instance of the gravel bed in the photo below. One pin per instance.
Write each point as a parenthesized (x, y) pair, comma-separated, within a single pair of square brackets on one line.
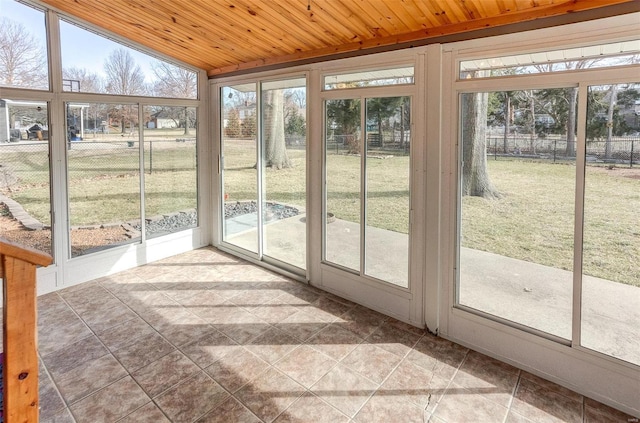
[(274, 211), (172, 223)]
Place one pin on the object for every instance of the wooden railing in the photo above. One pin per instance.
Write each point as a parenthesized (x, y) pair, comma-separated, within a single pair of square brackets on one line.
[(18, 271)]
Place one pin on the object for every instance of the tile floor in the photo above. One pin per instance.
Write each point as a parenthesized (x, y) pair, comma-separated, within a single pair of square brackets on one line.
[(206, 337)]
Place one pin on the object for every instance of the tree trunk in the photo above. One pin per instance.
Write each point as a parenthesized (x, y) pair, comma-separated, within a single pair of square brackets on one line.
[(475, 177), (571, 123), (532, 111), (275, 152), (186, 121), (507, 124), (613, 97)]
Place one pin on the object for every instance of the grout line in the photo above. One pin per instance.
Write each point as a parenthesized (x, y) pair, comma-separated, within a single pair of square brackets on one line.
[(513, 395)]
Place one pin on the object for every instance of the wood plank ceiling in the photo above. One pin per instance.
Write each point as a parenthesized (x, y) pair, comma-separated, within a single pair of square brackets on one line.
[(223, 36)]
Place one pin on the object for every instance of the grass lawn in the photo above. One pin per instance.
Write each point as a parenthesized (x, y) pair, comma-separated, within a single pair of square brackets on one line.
[(104, 183), (533, 220)]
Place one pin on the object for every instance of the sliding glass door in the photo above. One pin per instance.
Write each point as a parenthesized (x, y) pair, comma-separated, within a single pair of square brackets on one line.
[(264, 170)]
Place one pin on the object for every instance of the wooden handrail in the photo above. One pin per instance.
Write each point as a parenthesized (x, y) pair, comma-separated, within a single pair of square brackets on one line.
[(18, 271)]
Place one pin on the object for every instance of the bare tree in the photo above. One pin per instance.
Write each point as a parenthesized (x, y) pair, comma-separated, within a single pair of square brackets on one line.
[(174, 81), (90, 82), (124, 76), (613, 98), (23, 59)]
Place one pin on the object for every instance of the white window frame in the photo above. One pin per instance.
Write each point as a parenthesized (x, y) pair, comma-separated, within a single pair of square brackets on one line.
[(588, 372)]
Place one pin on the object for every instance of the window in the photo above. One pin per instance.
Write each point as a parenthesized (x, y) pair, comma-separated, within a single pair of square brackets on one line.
[(170, 164), (548, 210), (103, 176), (25, 206), (517, 207), (94, 64), (23, 47), (371, 78), (589, 57)]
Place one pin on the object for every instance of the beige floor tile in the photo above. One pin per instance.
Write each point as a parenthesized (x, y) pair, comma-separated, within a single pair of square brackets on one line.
[(487, 377), (74, 355), (271, 348), (56, 332), (273, 311), (125, 334), (234, 371), (255, 296), (384, 408), (416, 384), (162, 374), (334, 309), (243, 333), (143, 351), (297, 296), (372, 362), (461, 405), (272, 345), (596, 412), (344, 389), (545, 405), (310, 408), (50, 402), (89, 377), (191, 398), (301, 325), (306, 365), (514, 417), (111, 403), (270, 394), (554, 387), (438, 355), (185, 330), (391, 339), (108, 318), (210, 348), (61, 416), (230, 411), (51, 304), (361, 321), (149, 413), (335, 341)]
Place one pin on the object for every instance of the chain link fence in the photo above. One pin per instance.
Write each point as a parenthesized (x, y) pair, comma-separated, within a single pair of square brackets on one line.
[(623, 151), (395, 142)]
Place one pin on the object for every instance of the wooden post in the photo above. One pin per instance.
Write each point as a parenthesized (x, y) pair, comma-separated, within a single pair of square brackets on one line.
[(18, 271)]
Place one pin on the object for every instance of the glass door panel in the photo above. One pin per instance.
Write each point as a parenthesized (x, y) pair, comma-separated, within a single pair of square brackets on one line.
[(517, 206), (103, 176), (342, 183), (284, 171), (387, 189), (611, 235), (239, 160)]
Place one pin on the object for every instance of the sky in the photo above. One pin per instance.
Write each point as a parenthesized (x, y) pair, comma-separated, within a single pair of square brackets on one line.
[(80, 48)]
